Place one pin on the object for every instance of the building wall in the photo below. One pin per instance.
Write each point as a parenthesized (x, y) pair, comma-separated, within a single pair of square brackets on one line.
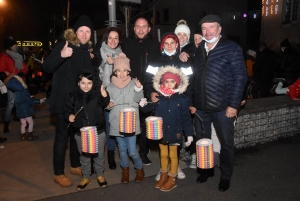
[(193, 10), (274, 31)]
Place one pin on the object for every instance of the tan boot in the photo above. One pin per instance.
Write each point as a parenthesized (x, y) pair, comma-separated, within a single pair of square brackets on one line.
[(76, 171), (31, 137), (139, 175), (169, 184), (101, 181), (83, 183), (125, 175), (163, 178), (24, 136), (62, 180)]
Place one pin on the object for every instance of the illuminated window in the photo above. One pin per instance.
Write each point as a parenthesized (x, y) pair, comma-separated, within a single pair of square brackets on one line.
[(290, 10)]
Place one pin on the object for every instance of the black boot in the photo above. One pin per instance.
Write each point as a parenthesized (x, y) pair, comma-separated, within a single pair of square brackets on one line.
[(6, 129), (111, 159), (204, 174)]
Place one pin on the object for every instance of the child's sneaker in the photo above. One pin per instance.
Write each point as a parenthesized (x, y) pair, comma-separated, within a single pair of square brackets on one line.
[(272, 91), (180, 174), (277, 80), (101, 181)]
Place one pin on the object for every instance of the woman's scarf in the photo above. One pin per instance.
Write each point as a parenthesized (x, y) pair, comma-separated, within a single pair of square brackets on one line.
[(120, 83), (17, 58), (105, 69)]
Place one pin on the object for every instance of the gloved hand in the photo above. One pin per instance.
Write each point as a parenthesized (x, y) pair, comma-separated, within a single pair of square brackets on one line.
[(189, 141), (143, 102)]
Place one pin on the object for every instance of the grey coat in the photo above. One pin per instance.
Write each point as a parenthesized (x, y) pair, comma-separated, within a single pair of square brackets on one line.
[(129, 96), (105, 69)]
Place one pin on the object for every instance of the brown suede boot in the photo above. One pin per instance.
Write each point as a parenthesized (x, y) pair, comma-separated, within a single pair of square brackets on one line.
[(163, 178), (76, 171), (139, 175), (31, 137), (125, 175), (24, 136), (169, 184), (62, 180)]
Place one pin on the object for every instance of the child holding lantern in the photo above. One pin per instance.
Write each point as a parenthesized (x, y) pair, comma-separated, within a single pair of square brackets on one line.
[(84, 108), (125, 93), (173, 106)]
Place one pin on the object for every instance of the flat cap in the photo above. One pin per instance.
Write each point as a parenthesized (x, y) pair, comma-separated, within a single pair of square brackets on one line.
[(210, 18)]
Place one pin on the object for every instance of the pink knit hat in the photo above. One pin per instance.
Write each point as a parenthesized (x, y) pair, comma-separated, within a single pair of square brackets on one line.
[(122, 62), (169, 75)]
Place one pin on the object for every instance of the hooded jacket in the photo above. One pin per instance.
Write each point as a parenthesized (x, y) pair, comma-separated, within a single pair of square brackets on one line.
[(220, 76), (165, 60), (23, 101), (140, 52), (173, 109), (65, 70), (92, 113)]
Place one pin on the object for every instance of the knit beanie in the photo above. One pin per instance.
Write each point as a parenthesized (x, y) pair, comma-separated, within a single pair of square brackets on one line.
[(83, 20), (169, 75), (121, 62), (183, 28), (8, 43), (210, 18), (285, 43)]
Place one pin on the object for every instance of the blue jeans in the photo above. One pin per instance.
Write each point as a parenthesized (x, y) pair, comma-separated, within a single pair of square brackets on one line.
[(129, 144), (110, 140), (10, 105)]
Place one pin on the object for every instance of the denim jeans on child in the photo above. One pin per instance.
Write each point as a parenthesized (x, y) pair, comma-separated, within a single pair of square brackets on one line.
[(129, 144)]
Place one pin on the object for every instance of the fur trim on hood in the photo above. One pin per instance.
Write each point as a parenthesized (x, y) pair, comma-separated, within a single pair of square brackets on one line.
[(172, 69), (71, 37)]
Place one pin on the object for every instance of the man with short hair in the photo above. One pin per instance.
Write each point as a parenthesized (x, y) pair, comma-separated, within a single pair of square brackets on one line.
[(141, 49), (220, 78), (69, 57)]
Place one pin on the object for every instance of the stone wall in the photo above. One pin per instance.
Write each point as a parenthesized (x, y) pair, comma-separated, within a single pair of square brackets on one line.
[(266, 120)]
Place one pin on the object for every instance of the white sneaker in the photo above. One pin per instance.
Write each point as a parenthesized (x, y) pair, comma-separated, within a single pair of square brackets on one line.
[(157, 178), (180, 174), (193, 162)]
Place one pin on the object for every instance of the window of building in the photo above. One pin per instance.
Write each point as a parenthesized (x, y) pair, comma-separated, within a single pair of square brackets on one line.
[(166, 15), (290, 11)]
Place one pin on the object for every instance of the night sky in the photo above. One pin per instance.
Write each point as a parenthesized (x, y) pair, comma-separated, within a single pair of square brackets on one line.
[(33, 19)]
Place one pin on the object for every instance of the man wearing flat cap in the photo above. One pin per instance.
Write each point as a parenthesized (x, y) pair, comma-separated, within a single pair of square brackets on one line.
[(221, 77), (69, 57)]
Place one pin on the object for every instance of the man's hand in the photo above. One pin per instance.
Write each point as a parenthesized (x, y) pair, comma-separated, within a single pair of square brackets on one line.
[(66, 51), (184, 56), (71, 118), (193, 109), (153, 97), (231, 112), (103, 91)]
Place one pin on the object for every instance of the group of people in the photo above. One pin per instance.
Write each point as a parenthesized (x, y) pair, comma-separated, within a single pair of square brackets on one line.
[(264, 65), (13, 71), (172, 79), (196, 88)]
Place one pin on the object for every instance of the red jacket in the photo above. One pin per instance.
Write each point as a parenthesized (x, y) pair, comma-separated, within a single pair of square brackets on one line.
[(294, 89), (8, 64)]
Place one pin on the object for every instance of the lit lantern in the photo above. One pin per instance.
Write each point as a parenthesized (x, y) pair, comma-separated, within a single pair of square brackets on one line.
[(40, 74), (33, 75)]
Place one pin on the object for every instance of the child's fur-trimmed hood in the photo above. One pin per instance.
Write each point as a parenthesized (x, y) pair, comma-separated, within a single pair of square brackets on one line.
[(184, 80)]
